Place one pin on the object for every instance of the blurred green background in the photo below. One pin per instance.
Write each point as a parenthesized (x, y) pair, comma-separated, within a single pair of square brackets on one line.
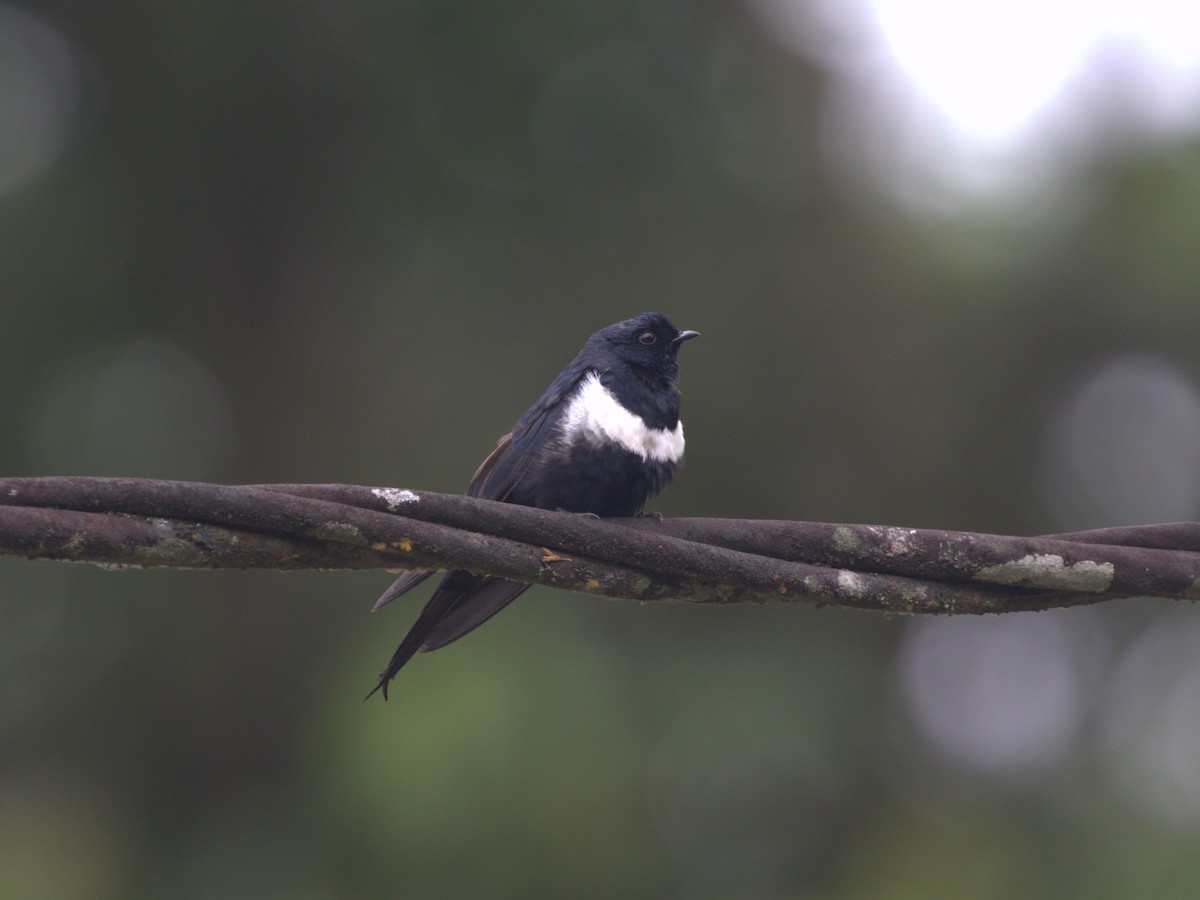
[(351, 242)]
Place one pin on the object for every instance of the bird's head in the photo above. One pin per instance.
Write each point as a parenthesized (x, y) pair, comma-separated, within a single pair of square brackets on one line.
[(648, 342)]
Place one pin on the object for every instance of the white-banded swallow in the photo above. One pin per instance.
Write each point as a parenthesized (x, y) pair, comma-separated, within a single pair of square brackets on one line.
[(603, 438)]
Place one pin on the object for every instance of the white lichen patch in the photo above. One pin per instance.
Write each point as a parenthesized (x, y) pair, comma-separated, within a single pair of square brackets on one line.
[(898, 540), (851, 583), (845, 539), (395, 497), (1049, 570)]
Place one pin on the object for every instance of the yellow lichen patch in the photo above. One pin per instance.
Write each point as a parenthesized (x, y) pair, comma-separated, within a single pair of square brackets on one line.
[(404, 544)]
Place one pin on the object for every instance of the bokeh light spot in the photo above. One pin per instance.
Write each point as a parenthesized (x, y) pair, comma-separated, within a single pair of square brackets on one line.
[(998, 695), (1123, 447), (1152, 720), (39, 94), (147, 408)]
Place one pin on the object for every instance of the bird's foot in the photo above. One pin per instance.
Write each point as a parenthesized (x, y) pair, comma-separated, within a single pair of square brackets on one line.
[(655, 515)]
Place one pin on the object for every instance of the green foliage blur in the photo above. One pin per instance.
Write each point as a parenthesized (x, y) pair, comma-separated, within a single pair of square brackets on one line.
[(326, 242)]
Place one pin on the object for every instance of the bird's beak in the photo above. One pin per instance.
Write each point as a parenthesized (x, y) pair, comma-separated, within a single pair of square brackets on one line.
[(685, 336)]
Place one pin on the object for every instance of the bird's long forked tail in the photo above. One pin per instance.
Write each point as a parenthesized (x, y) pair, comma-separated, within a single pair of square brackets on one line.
[(460, 604)]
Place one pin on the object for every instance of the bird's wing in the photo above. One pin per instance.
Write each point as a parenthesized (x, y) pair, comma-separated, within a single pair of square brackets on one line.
[(462, 601), (495, 479), (499, 474), (505, 466)]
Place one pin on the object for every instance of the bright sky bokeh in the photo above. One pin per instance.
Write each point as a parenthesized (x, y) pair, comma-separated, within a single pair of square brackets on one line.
[(991, 96), (992, 67)]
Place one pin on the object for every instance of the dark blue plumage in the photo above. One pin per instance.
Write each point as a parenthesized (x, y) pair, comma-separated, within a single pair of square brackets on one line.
[(602, 439)]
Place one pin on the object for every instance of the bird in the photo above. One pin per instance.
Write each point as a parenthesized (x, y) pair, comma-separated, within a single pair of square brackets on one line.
[(603, 438)]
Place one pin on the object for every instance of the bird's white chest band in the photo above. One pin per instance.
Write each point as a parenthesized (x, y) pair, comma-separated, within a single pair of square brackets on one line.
[(596, 416)]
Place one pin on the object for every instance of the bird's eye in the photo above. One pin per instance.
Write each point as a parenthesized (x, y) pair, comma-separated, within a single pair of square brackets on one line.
[(647, 339)]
